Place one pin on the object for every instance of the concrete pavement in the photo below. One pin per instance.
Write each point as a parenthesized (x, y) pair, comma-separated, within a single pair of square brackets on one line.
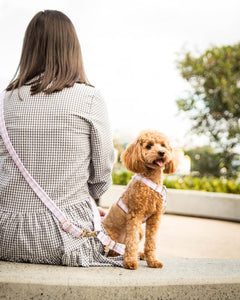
[(187, 237), (179, 279)]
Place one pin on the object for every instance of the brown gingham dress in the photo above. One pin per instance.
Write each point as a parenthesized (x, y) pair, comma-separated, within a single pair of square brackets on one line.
[(64, 141)]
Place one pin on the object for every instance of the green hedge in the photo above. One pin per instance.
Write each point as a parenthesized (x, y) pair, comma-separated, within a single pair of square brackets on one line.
[(204, 184), (122, 178), (188, 183)]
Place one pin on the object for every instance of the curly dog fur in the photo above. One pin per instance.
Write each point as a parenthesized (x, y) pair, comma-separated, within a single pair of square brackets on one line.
[(149, 156)]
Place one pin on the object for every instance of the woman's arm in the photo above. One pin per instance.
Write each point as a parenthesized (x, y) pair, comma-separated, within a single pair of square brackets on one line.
[(102, 152)]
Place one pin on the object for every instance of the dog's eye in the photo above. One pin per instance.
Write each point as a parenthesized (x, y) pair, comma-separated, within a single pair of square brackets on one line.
[(163, 145), (149, 146)]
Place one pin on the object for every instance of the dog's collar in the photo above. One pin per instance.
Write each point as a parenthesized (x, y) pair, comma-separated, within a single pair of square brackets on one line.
[(161, 189)]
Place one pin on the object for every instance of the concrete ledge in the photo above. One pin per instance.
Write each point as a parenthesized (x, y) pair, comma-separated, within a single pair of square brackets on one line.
[(179, 279), (204, 204), (190, 203)]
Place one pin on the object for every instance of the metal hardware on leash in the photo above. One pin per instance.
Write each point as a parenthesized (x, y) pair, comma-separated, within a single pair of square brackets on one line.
[(65, 229), (88, 233), (106, 248), (85, 233)]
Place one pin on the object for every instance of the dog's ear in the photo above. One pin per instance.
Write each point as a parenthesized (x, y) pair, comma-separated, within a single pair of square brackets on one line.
[(132, 158), (172, 166)]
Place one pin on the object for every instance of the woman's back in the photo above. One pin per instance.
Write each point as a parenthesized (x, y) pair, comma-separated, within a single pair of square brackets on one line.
[(51, 134)]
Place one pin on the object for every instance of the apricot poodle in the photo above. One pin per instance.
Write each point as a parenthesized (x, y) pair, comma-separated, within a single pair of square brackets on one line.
[(148, 156)]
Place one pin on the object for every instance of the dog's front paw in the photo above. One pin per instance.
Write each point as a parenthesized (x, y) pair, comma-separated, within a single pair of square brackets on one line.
[(154, 264), (130, 264)]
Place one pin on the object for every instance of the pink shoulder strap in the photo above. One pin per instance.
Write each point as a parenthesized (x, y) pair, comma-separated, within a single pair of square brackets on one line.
[(42, 195)]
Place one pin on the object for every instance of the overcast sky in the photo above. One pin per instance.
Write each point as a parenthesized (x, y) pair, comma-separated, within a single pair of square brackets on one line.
[(129, 50)]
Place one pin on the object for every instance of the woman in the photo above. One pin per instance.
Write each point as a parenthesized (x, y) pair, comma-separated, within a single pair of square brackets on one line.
[(58, 125)]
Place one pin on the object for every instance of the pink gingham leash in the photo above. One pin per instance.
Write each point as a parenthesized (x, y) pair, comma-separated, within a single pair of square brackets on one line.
[(42, 195)]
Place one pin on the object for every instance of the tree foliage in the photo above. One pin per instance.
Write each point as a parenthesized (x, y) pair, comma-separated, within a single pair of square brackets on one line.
[(213, 103), (205, 162)]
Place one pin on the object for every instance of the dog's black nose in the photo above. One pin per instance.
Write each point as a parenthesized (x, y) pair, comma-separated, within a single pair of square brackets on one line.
[(161, 154)]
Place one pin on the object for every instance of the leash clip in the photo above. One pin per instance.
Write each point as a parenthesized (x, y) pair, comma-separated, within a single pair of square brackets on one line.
[(86, 233)]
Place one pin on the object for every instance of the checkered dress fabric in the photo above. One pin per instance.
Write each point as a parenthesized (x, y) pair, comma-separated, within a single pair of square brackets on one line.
[(64, 141)]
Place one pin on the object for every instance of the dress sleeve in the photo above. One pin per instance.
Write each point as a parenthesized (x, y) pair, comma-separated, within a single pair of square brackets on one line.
[(102, 152)]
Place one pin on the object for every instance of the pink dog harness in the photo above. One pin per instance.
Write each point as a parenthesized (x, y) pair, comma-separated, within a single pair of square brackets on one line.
[(64, 223), (161, 189)]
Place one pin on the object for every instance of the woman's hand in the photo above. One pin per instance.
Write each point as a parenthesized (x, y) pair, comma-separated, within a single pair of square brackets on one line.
[(102, 211)]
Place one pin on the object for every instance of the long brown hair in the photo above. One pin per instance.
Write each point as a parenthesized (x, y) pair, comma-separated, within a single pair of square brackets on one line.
[(51, 53)]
